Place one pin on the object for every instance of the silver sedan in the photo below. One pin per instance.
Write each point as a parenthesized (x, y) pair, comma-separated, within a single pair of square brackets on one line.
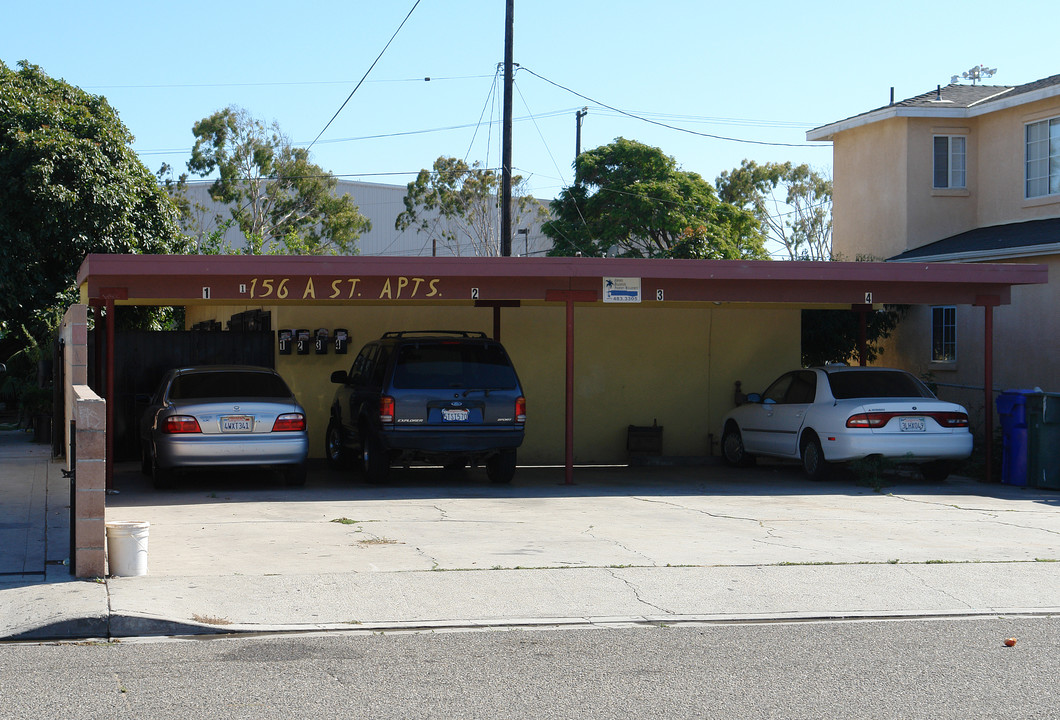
[(215, 416)]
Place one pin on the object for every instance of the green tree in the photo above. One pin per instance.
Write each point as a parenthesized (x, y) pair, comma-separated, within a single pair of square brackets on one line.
[(282, 202), (633, 199), (792, 202), (831, 336), (459, 205), (70, 184)]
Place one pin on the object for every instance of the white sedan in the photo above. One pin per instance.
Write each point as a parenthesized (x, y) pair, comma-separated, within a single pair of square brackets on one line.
[(837, 413)]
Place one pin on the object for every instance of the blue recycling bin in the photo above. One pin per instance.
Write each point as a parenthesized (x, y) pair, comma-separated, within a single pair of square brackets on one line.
[(1012, 411)]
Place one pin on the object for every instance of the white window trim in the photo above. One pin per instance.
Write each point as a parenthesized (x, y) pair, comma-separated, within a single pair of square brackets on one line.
[(931, 338), (1047, 121), (950, 184)]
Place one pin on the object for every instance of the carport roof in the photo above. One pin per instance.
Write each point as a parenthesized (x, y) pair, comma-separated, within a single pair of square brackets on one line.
[(270, 280)]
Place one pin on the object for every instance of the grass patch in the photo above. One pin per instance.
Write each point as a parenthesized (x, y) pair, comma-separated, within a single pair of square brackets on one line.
[(210, 620), (345, 521)]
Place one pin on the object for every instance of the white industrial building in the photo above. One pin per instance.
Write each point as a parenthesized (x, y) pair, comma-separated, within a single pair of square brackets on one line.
[(382, 204)]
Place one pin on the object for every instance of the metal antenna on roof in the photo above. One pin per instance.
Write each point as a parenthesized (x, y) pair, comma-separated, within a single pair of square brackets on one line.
[(975, 74)]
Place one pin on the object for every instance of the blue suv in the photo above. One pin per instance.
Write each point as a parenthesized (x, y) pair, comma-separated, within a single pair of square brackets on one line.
[(437, 396)]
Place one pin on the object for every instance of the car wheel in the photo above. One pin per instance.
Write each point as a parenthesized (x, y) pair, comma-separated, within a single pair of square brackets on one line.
[(813, 462), (145, 459), (732, 449), (936, 471), (376, 460), (500, 468), (334, 449), (294, 475)]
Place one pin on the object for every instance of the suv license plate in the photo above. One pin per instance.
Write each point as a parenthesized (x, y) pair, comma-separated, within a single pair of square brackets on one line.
[(237, 423), (911, 424), (454, 415)]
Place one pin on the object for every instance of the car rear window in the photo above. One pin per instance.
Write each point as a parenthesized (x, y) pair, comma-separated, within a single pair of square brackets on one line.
[(209, 385), (875, 384), (453, 365)]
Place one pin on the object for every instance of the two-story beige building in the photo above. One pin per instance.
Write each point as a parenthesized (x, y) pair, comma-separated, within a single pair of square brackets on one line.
[(964, 173)]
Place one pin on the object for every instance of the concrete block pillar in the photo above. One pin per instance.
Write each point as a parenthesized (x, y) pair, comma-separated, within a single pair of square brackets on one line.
[(89, 528)]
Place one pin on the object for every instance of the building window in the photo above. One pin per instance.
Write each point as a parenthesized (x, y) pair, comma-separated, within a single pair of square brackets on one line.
[(944, 334), (950, 167), (1043, 158)]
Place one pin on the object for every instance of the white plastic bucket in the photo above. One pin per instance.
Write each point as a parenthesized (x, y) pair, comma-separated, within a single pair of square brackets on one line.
[(127, 548)]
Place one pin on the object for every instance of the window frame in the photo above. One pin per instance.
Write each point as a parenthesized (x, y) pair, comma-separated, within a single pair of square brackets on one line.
[(1051, 142), (943, 319), (950, 171)]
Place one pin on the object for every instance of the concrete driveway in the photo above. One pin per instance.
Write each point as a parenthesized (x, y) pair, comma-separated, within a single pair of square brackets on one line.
[(425, 520)]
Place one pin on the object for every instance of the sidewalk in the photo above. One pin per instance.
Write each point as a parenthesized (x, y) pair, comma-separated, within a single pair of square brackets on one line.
[(238, 554)]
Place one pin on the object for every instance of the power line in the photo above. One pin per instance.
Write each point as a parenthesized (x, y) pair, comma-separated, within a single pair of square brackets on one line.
[(665, 125), (371, 67)]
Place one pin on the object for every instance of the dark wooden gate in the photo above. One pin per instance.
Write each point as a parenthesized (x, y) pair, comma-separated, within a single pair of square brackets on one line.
[(141, 358)]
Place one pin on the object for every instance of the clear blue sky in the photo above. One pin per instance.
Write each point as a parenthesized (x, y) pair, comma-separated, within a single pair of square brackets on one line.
[(757, 71)]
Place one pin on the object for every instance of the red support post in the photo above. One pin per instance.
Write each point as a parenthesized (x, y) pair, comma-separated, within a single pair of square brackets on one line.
[(111, 395), (988, 303), (568, 436)]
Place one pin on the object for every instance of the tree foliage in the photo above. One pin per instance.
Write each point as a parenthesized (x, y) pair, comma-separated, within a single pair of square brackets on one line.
[(459, 205), (633, 200), (282, 202), (792, 202), (70, 185), (831, 336)]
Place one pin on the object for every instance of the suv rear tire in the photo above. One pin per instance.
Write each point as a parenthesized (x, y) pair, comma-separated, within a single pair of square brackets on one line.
[(500, 468), (376, 460), (334, 449)]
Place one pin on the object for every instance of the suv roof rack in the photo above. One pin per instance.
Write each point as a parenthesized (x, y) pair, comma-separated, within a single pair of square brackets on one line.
[(459, 333)]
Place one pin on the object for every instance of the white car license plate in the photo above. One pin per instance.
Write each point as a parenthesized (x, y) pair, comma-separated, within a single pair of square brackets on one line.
[(237, 423), (911, 424), (454, 414)]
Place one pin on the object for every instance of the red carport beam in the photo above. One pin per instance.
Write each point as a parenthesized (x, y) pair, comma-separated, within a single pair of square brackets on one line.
[(569, 297)]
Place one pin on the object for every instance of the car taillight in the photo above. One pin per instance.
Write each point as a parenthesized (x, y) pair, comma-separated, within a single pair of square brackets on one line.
[(386, 409), (180, 425), (289, 422), (875, 420), (868, 420), (520, 409), (951, 419)]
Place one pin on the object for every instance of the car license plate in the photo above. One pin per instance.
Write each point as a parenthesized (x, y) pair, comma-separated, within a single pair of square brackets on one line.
[(454, 414), (911, 424), (237, 423)]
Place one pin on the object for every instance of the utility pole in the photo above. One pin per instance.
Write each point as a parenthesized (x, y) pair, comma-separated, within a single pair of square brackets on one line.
[(578, 132), (506, 134)]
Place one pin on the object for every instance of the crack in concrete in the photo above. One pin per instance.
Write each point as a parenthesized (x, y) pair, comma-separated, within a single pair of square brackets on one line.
[(588, 531), (927, 585), (697, 510), (636, 593)]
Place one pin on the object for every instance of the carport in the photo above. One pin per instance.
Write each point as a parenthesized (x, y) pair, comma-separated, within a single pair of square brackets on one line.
[(505, 285)]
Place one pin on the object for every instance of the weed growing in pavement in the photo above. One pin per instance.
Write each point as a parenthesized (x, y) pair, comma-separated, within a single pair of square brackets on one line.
[(345, 521), (869, 472), (1046, 560), (210, 620), (379, 541)]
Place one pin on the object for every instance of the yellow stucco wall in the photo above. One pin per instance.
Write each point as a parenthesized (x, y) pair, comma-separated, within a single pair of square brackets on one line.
[(635, 365)]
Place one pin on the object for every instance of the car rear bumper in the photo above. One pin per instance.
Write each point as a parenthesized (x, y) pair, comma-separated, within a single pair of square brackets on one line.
[(912, 447), (455, 441), (216, 451)]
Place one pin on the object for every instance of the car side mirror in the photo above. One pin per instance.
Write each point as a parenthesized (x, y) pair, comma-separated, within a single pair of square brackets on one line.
[(754, 398), (340, 377)]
